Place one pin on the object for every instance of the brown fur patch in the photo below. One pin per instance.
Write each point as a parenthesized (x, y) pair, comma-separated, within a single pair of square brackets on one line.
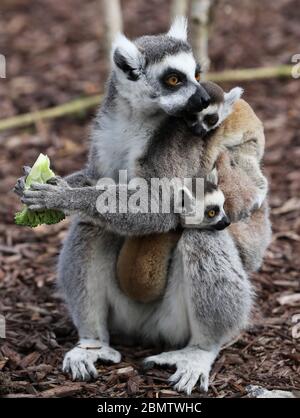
[(241, 128), (143, 265)]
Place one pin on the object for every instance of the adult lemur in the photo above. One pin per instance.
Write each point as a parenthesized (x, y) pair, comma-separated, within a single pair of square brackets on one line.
[(154, 81)]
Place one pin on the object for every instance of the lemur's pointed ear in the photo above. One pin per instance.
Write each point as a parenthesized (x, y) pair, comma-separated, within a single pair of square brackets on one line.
[(212, 177), (127, 57), (178, 29), (233, 96)]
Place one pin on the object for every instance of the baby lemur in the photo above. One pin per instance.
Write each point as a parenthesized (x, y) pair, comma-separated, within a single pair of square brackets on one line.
[(247, 153)]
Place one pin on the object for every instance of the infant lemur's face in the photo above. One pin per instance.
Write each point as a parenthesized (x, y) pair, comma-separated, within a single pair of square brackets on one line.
[(214, 216), (221, 106)]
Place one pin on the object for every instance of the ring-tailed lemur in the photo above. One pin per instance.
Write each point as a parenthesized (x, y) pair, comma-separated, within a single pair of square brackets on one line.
[(214, 216), (154, 81)]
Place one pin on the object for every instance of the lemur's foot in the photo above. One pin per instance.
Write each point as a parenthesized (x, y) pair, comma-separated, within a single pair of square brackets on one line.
[(80, 361), (192, 364)]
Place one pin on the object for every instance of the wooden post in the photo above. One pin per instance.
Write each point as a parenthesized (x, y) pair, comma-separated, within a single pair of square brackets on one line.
[(113, 20), (200, 12), (179, 8)]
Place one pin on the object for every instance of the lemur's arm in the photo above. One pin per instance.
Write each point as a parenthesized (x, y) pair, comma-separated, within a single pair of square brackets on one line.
[(84, 201), (78, 179)]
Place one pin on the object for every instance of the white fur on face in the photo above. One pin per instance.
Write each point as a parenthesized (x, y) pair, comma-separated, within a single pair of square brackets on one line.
[(178, 29), (184, 62), (215, 198), (210, 110), (223, 109)]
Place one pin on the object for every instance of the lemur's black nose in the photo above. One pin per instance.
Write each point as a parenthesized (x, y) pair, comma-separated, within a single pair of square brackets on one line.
[(198, 101), (222, 224)]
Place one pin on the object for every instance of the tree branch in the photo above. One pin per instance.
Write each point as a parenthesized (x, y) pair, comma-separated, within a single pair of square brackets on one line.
[(200, 23), (70, 108), (113, 21)]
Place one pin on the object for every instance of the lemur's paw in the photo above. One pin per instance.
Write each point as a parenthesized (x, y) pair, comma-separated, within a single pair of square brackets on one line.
[(46, 196), (192, 364), (80, 362), (186, 377), (20, 185), (58, 181), (260, 198)]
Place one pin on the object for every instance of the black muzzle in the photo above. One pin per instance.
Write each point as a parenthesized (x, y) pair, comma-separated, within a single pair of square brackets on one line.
[(222, 224), (198, 101)]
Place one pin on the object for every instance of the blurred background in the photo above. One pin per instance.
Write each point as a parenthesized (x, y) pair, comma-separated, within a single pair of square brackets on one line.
[(56, 52)]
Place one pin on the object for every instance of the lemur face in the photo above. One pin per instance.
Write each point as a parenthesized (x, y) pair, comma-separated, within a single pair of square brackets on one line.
[(220, 108), (214, 216), (160, 72)]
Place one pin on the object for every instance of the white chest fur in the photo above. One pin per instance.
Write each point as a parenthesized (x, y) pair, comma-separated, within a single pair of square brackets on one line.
[(122, 140)]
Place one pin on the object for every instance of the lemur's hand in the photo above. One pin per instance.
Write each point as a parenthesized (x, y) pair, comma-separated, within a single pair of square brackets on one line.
[(51, 195), (239, 190), (20, 184)]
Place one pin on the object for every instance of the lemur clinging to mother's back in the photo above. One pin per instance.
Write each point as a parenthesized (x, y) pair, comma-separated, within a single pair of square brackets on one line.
[(208, 297)]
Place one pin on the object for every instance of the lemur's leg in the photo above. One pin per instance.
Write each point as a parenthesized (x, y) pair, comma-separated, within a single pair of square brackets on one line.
[(242, 194), (85, 267), (252, 237), (218, 300), (251, 166)]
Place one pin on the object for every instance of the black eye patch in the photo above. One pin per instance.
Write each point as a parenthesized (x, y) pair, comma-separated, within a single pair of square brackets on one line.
[(211, 120), (214, 208), (173, 72)]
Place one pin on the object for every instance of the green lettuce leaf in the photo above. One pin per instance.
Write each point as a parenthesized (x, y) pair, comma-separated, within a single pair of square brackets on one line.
[(40, 173)]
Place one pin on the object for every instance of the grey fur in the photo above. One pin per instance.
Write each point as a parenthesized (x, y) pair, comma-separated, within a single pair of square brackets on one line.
[(208, 296), (156, 48), (213, 279)]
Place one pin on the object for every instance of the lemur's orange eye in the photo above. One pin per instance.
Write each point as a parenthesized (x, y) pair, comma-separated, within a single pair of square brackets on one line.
[(198, 76), (211, 213), (172, 80)]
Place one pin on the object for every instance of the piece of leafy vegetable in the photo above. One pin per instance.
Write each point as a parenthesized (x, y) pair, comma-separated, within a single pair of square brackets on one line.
[(40, 173)]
